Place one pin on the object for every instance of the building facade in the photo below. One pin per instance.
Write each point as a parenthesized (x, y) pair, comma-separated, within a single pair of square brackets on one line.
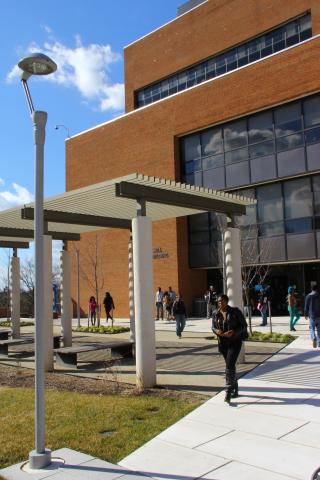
[(225, 96)]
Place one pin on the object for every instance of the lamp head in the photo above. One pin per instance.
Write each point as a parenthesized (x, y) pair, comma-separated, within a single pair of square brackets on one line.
[(37, 64)]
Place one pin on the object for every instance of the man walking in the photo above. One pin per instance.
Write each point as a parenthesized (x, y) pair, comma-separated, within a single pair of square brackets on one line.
[(211, 299), (230, 326), (312, 312)]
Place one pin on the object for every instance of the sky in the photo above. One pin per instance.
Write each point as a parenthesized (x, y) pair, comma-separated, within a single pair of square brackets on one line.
[(86, 39)]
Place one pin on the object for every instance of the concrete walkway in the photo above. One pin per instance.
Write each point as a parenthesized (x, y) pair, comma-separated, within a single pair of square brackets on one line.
[(271, 432)]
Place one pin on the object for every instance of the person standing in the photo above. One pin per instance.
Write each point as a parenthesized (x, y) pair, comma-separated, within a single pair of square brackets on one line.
[(211, 299), (108, 306), (166, 305), (172, 296), (159, 305), (92, 310), (263, 306), (312, 312), (292, 308), (230, 326), (180, 313)]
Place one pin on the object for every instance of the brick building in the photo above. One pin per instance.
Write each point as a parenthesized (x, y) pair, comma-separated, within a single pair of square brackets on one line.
[(226, 96)]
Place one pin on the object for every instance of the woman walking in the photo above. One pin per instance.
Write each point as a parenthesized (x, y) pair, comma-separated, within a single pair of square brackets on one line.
[(92, 310), (108, 305), (230, 326), (292, 308)]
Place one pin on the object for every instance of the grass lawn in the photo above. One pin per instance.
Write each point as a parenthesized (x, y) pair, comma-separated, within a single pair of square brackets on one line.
[(76, 421)]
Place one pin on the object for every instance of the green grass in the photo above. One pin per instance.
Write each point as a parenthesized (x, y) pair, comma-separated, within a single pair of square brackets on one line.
[(271, 337), (102, 329), (77, 420), (22, 324)]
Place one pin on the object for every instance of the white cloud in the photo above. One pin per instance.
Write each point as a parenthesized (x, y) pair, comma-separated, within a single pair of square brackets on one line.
[(19, 196), (86, 68), (1, 181)]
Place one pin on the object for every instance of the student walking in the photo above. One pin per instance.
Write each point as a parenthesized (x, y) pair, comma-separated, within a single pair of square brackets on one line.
[(92, 310), (230, 326), (211, 299), (159, 305), (312, 312), (180, 313), (108, 306), (292, 308)]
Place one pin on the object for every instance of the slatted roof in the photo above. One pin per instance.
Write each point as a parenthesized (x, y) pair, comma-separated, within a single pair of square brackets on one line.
[(117, 199)]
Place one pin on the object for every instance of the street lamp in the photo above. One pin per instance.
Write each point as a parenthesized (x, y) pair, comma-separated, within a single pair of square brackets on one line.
[(38, 64)]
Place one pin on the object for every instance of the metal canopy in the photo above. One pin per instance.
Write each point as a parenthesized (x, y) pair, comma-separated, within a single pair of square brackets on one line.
[(113, 204), (13, 244)]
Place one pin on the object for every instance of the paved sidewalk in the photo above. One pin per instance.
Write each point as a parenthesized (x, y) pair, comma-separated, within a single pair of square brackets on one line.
[(271, 432)]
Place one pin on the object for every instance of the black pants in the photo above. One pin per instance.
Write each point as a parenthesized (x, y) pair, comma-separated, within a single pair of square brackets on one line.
[(230, 352)]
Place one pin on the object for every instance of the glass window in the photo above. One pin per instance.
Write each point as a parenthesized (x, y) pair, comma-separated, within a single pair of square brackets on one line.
[(261, 149), (182, 81), (316, 194), (191, 148), (269, 203), (193, 166), (221, 64), (242, 54), (199, 222), (254, 50), (214, 178), (313, 156), (211, 141), (173, 85), (312, 135), (304, 22), (237, 174), (299, 225), (298, 198), (199, 237), (200, 73), (210, 68), (271, 229), (231, 60), (291, 162), (235, 134), (164, 88), (260, 127), (191, 77), (212, 161), (289, 142), (291, 33), (263, 168), (301, 246), (288, 119), (236, 155), (311, 110)]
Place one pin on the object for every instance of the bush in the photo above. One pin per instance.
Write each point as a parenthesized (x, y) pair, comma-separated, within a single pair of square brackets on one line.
[(102, 329), (22, 324), (271, 337)]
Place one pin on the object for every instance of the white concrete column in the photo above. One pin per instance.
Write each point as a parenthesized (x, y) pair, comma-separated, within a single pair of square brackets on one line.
[(131, 290), (232, 252), (143, 302), (15, 296), (65, 299), (48, 302)]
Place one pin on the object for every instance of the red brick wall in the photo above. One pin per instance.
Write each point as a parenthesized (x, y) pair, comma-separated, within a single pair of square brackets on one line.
[(145, 141)]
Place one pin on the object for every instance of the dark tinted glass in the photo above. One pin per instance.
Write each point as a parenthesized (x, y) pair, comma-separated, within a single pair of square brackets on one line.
[(316, 194), (211, 141), (235, 134), (298, 198), (260, 127), (299, 225), (311, 110), (270, 207), (236, 155), (312, 135), (260, 149), (288, 119), (191, 147), (212, 161), (289, 142)]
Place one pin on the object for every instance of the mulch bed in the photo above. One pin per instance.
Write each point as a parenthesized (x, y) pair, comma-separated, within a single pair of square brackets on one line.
[(18, 377)]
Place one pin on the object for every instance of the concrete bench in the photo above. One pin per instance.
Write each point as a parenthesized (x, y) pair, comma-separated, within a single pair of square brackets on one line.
[(68, 356), (11, 342), (4, 333)]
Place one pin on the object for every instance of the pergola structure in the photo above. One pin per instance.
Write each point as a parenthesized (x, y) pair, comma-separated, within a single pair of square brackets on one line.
[(131, 202)]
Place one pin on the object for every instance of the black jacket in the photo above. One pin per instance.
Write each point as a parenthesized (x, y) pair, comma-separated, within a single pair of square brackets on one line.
[(179, 308), (234, 321)]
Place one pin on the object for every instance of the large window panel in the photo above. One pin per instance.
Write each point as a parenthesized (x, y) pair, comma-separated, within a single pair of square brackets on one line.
[(297, 198), (237, 155), (211, 141), (214, 178), (316, 194), (301, 247), (272, 249), (263, 168), (235, 134), (291, 162), (288, 119), (311, 109), (313, 156), (289, 142), (260, 127), (270, 205), (198, 222), (191, 148), (237, 174), (212, 161), (199, 256), (261, 149)]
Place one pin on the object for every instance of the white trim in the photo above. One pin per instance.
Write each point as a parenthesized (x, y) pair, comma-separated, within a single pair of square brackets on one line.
[(194, 86), (165, 24)]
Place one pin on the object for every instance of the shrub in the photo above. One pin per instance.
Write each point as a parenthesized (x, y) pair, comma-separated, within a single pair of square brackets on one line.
[(103, 329), (271, 337)]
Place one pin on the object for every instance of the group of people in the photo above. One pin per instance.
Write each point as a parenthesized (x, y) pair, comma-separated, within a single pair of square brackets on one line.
[(108, 306), (170, 305)]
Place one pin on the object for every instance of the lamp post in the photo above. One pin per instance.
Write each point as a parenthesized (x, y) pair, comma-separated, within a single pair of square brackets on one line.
[(38, 64)]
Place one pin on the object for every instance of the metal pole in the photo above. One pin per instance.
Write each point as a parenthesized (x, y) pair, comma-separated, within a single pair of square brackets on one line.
[(40, 457), (78, 286)]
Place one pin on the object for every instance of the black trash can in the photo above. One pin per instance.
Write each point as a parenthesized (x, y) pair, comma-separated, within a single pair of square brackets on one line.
[(200, 307)]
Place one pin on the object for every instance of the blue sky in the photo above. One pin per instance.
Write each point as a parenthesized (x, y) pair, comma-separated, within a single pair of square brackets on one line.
[(75, 34)]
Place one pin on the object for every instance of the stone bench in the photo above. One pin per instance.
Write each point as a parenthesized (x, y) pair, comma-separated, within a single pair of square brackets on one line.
[(4, 333), (11, 342), (68, 356)]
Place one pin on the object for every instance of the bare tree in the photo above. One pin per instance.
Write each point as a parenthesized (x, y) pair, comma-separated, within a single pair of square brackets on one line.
[(27, 276), (92, 271)]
